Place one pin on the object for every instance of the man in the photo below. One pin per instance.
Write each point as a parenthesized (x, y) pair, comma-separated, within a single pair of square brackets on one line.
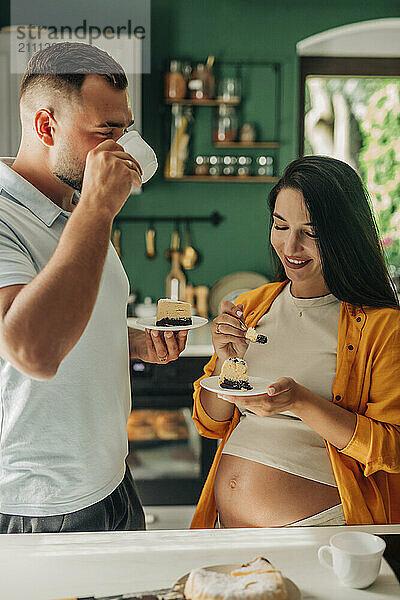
[(64, 363)]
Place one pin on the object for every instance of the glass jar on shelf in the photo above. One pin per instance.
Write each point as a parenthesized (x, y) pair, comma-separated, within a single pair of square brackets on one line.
[(226, 124), (201, 83), (244, 166), (216, 164), (181, 121), (229, 166), (264, 166), (229, 90), (201, 165), (247, 133), (175, 81)]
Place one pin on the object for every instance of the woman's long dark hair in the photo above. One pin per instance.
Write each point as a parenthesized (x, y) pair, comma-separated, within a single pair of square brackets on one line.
[(353, 264)]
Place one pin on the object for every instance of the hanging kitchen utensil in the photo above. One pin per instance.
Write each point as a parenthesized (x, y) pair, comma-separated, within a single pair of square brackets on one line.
[(189, 256), (175, 243), (150, 237), (175, 284), (116, 241)]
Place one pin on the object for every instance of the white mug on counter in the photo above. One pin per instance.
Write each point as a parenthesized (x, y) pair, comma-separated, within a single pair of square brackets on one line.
[(354, 556), (134, 144)]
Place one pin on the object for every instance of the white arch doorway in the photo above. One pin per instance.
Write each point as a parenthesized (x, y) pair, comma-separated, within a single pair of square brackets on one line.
[(379, 38)]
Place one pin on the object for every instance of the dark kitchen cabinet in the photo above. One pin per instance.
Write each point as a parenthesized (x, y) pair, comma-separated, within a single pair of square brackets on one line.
[(168, 458)]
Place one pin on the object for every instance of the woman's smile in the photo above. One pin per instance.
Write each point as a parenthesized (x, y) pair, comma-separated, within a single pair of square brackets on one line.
[(296, 263)]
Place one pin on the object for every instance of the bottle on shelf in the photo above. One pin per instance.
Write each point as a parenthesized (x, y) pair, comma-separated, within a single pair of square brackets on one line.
[(180, 137), (175, 81)]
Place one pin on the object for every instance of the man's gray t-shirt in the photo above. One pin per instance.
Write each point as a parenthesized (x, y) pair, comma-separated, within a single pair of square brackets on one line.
[(63, 441)]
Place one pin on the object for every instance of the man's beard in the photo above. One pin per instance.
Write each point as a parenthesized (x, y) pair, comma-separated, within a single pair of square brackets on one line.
[(69, 170), (73, 182)]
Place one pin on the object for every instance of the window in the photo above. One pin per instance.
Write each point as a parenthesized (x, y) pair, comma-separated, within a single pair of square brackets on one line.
[(350, 109)]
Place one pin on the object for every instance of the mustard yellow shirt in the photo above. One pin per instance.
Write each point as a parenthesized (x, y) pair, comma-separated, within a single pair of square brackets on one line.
[(367, 382)]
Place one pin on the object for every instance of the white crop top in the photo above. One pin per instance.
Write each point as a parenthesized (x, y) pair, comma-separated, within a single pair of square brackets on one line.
[(302, 344)]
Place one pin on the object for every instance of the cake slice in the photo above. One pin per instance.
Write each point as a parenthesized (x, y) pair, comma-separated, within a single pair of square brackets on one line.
[(173, 312), (253, 336), (234, 375)]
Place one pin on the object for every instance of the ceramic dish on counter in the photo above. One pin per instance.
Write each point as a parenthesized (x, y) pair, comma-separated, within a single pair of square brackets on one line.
[(231, 286)]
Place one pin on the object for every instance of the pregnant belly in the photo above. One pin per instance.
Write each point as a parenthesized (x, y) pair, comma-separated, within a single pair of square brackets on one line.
[(249, 494)]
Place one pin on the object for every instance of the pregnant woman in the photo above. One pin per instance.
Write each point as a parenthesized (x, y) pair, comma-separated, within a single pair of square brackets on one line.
[(322, 445)]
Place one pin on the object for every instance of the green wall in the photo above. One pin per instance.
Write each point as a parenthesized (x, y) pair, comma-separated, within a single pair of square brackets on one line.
[(229, 29)]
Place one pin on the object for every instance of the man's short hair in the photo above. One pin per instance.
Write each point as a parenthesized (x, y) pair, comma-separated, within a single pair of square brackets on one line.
[(64, 66)]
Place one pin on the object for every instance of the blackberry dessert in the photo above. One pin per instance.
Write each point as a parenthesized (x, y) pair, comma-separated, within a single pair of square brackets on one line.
[(173, 312), (233, 375), (253, 336)]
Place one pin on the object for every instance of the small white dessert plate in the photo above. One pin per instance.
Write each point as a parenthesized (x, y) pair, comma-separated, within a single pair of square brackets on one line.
[(259, 385), (292, 589), (150, 323)]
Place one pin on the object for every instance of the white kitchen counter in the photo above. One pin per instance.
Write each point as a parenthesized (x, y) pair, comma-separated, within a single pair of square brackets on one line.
[(198, 343), (69, 565)]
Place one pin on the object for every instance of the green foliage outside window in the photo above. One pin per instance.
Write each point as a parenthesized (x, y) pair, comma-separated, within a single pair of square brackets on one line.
[(379, 162), (374, 105)]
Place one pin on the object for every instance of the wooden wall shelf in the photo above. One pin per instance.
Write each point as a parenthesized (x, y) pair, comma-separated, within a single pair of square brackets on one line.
[(247, 144), (194, 102), (223, 179)]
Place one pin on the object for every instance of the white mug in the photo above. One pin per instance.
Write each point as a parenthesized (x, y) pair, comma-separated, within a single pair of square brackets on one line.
[(354, 556), (134, 144)]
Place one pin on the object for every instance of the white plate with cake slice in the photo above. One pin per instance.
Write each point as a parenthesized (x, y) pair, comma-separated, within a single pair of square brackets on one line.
[(150, 323), (287, 590), (258, 384)]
